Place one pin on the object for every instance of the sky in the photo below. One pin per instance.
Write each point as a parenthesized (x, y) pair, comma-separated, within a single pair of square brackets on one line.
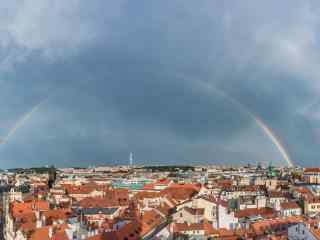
[(172, 81)]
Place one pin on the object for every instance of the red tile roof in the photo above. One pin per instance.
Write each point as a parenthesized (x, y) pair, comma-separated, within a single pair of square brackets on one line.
[(84, 188), (130, 231), (289, 205), (315, 232), (276, 194), (26, 222), (194, 211), (179, 193), (58, 233), (147, 194), (18, 208), (100, 202), (274, 224), (249, 212), (149, 221), (312, 199), (312, 170), (57, 214), (183, 227)]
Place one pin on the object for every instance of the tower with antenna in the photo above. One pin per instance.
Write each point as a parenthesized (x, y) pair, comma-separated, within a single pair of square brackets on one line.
[(131, 159)]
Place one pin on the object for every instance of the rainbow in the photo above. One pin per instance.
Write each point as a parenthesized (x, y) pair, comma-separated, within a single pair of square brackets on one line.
[(21, 122), (267, 130), (264, 127)]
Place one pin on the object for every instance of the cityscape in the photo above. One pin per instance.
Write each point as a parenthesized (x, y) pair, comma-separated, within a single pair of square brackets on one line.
[(159, 120), (161, 202)]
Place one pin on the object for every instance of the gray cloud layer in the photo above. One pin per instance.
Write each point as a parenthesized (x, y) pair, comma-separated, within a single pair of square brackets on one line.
[(133, 76)]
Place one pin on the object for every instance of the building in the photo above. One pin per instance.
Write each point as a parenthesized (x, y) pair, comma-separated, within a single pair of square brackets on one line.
[(290, 209), (189, 215), (311, 205), (303, 231), (312, 175)]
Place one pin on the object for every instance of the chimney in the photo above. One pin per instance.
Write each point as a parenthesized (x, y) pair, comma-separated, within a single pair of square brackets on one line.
[(50, 232), (38, 219), (43, 220), (37, 213)]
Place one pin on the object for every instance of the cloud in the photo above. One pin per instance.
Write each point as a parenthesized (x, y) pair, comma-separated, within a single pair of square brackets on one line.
[(52, 29), (131, 76), (293, 46)]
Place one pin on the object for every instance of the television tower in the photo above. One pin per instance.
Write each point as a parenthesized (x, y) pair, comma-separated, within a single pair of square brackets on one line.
[(131, 159)]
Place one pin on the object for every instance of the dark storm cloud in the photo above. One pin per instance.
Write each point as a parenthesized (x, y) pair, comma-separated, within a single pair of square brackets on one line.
[(133, 76)]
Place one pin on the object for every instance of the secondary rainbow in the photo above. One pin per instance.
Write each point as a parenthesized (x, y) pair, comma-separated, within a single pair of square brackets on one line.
[(21, 122)]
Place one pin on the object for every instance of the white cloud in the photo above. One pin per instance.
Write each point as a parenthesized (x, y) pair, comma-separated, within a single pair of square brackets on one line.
[(54, 28), (292, 46), (277, 37)]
